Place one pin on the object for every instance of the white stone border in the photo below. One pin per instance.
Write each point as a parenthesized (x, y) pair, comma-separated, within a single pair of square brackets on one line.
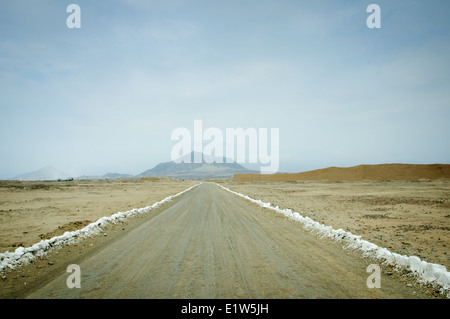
[(23, 255), (424, 272)]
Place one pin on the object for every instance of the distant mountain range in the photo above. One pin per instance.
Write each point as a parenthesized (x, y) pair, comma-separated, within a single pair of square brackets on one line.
[(45, 173), (209, 167)]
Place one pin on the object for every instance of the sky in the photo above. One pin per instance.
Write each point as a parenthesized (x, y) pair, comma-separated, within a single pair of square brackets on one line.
[(106, 97)]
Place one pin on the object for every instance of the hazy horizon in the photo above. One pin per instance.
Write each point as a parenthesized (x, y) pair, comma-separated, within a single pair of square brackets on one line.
[(106, 97), (255, 167)]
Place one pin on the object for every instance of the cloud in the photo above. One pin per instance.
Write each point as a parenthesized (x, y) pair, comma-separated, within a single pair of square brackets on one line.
[(136, 70)]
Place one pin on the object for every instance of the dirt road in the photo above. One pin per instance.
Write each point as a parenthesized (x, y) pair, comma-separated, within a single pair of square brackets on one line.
[(210, 243)]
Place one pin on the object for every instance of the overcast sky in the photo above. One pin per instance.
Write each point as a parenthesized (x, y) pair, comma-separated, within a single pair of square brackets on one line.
[(106, 97)]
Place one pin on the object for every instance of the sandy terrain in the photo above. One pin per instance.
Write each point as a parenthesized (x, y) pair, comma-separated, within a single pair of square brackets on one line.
[(31, 211), (208, 243), (411, 218), (381, 172)]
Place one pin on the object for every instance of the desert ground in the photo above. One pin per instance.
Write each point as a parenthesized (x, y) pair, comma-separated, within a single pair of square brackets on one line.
[(31, 211), (407, 217), (410, 218)]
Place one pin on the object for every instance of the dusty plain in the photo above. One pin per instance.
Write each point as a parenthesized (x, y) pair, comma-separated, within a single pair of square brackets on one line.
[(407, 217), (32, 211)]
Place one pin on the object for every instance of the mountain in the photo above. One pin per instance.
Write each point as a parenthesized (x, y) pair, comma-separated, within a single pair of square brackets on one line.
[(209, 168), (47, 173)]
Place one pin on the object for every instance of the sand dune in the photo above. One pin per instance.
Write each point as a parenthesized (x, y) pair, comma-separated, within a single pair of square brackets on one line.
[(403, 172)]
